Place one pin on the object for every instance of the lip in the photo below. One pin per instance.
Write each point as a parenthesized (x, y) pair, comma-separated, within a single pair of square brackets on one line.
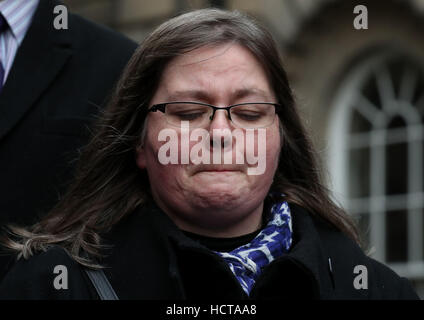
[(219, 171), (218, 168)]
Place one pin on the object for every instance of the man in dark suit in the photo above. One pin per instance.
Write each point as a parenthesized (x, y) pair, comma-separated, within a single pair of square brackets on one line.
[(58, 82)]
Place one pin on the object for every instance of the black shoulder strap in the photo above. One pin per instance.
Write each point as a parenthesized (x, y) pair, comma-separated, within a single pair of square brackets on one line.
[(101, 284)]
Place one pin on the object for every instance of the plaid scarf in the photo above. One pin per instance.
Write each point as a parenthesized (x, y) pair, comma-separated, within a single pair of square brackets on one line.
[(248, 261)]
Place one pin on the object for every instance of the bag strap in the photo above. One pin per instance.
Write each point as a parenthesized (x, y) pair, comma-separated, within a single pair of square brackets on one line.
[(101, 284)]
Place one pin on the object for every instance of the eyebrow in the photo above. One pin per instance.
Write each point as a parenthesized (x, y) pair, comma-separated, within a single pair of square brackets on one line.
[(205, 96)]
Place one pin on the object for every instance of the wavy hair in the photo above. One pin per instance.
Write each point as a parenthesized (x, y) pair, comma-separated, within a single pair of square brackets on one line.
[(108, 185)]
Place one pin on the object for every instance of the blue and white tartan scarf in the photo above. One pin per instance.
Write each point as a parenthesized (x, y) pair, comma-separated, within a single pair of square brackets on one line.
[(247, 261)]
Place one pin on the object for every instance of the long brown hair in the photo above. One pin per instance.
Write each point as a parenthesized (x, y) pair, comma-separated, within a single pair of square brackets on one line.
[(108, 185)]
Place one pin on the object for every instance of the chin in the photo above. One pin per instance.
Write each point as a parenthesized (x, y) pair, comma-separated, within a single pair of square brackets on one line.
[(219, 197), (221, 184)]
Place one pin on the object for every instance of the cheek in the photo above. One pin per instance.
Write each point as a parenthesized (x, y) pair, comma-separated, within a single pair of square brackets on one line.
[(162, 175), (266, 154), (274, 146)]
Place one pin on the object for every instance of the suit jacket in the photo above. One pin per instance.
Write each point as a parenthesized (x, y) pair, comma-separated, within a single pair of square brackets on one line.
[(58, 82), (152, 259)]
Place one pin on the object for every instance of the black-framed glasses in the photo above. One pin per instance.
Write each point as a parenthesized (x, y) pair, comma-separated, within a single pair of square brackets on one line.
[(250, 115)]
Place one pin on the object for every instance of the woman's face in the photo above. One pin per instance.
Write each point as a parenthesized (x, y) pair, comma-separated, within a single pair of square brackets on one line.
[(216, 199)]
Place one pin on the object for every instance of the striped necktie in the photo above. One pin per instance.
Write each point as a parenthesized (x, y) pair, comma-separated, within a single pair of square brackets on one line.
[(3, 27)]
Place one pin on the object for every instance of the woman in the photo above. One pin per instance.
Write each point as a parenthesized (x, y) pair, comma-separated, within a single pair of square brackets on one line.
[(167, 208)]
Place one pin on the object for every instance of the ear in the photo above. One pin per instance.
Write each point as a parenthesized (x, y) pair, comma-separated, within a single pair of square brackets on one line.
[(141, 159)]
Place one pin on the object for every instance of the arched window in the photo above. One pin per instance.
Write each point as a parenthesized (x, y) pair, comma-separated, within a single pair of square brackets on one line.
[(376, 158)]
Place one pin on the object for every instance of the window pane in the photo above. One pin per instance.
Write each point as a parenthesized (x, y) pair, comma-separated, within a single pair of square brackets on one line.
[(418, 92), (397, 122), (397, 68), (359, 172), (396, 168), (370, 91), (359, 123), (421, 106), (396, 236)]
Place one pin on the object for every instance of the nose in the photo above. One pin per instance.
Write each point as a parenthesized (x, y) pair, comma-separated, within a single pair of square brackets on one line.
[(220, 129), (220, 120)]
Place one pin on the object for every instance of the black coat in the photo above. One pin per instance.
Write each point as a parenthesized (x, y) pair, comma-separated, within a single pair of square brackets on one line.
[(152, 259), (58, 80)]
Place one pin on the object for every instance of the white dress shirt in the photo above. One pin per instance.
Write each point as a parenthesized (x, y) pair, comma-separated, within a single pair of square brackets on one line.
[(18, 14)]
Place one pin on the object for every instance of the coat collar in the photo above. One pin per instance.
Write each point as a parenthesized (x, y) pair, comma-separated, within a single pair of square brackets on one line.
[(148, 250), (42, 54), (309, 251)]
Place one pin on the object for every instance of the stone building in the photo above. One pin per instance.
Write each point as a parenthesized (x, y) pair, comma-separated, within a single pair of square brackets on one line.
[(360, 92)]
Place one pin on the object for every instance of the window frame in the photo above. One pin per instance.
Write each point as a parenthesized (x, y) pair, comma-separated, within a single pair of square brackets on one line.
[(341, 141)]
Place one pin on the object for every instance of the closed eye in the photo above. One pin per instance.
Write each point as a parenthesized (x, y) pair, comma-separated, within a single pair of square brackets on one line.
[(189, 114), (247, 115)]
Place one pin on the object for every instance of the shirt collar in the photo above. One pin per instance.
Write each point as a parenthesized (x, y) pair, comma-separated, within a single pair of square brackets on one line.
[(18, 14)]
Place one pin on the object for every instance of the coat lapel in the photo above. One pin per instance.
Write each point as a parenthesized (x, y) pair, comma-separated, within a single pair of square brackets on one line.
[(42, 54), (307, 251)]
